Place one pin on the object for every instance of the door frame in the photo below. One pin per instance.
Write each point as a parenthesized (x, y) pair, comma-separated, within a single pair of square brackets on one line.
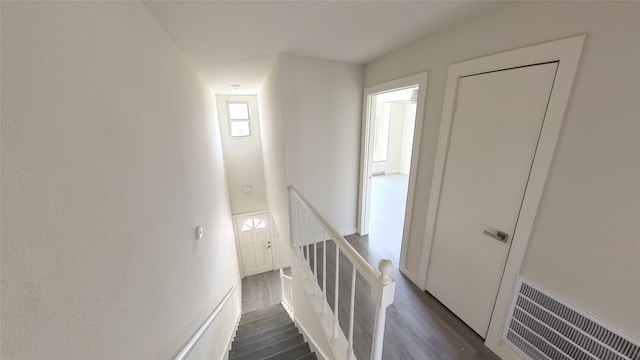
[(366, 152), (567, 53)]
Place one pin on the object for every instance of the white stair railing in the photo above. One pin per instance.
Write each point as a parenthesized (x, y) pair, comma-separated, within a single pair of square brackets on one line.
[(310, 228), (287, 293)]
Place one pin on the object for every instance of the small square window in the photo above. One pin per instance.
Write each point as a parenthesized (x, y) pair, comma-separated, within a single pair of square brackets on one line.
[(239, 128), (238, 111)]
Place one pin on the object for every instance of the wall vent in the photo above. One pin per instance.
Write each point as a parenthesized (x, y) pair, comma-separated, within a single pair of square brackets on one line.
[(543, 326)]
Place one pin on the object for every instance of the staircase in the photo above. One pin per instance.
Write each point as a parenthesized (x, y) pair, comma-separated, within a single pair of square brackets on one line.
[(269, 334)]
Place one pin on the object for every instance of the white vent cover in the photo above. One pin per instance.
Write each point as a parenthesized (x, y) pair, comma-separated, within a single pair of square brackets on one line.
[(544, 327)]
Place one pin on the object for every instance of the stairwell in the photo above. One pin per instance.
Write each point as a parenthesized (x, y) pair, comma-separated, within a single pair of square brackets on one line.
[(269, 334)]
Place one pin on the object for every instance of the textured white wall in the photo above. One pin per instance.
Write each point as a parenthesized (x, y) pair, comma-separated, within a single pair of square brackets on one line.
[(243, 158), (585, 243), (407, 137), (274, 162), (321, 111), (111, 156), (396, 125)]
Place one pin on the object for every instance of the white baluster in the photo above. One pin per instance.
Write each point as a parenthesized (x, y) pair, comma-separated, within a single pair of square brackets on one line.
[(291, 298), (306, 256), (383, 294), (292, 223), (324, 276), (282, 289), (296, 205), (352, 313), (308, 231), (301, 256), (315, 267), (336, 324)]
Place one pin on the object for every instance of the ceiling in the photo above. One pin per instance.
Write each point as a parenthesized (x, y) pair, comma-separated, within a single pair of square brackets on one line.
[(236, 42)]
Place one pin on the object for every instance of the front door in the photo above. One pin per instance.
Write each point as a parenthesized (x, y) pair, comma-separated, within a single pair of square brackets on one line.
[(497, 121), (254, 238)]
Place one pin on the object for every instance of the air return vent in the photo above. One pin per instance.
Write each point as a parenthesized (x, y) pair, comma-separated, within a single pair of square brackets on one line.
[(544, 327)]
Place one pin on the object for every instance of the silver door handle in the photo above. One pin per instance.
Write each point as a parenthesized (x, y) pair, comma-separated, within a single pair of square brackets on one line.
[(500, 236)]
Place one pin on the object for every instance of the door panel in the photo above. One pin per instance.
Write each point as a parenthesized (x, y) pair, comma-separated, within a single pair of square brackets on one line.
[(495, 130), (254, 236)]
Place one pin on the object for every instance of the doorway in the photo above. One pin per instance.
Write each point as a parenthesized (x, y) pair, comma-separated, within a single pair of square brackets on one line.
[(392, 126), (254, 242), (556, 63), (493, 140)]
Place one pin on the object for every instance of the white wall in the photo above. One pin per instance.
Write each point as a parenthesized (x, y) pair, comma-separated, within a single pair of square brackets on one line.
[(243, 158), (585, 241), (111, 156), (321, 110), (401, 128), (396, 125), (407, 137), (275, 172)]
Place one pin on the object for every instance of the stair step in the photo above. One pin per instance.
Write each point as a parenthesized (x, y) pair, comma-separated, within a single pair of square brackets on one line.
[(268, 311), (292, 353), (271, 350), (262, 342), (269, 334), (249, 338), (266, 320), (261, 327), (309, 356)]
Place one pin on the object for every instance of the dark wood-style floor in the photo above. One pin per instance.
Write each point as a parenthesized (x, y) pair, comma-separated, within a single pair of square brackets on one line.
[(418, 326)]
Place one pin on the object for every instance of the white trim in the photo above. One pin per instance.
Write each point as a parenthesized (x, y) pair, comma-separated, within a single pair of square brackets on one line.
[(567, 53), (415, 279), (365, 155), (232, 336), (349, 231), (312, 344), (420, 79), (204, 327)]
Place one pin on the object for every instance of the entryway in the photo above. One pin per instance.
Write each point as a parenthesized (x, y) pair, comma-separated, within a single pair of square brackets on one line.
[(496, 126), (254, 241), (392, 127), (500, 123)]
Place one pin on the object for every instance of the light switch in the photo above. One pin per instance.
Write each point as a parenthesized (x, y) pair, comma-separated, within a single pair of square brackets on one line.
[(199, 232), (246, 189)]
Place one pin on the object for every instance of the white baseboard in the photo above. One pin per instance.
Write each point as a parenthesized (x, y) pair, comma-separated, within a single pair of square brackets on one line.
[(348, 231), (232, 336), (411, 276), (319, 353)]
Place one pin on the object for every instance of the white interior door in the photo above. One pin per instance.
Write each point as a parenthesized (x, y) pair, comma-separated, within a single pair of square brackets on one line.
[(254, 237), (497, 121)]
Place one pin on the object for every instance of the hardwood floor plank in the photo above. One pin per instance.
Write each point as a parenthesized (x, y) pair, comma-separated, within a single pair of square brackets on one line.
[(260, 291)]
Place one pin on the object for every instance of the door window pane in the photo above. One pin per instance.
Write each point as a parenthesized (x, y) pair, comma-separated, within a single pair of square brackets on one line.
[(253, 224)]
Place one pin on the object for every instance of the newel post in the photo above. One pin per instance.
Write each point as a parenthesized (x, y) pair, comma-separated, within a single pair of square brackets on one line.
[(383, 294)]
